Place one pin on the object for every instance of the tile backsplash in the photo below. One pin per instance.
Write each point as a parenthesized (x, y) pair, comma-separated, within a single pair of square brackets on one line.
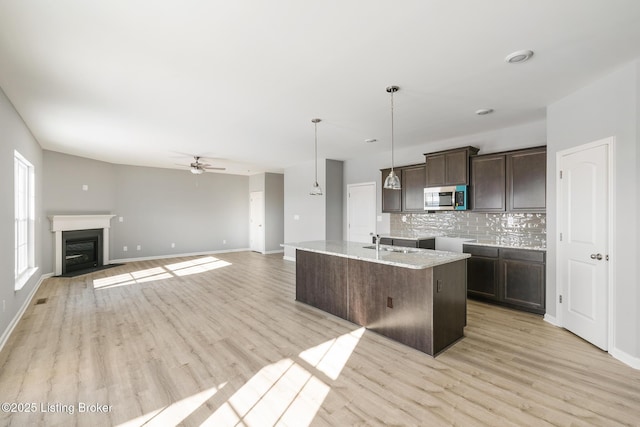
[(526, 229)]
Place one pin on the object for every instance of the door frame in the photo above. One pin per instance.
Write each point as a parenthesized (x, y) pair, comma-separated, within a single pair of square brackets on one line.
[(262, 214), (610, 143), (375, 201)]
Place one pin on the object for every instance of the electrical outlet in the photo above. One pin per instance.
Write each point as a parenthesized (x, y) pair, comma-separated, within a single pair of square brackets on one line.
[(510, 220), (224, 242), (85, 187), (173, 245), (120, 219), (125, 249), (138, 247)]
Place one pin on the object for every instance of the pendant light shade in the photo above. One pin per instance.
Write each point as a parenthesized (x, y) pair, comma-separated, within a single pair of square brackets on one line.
[(392, 181), (316, 190)]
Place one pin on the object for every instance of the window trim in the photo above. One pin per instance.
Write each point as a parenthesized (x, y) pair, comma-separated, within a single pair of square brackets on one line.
[(24, 211)]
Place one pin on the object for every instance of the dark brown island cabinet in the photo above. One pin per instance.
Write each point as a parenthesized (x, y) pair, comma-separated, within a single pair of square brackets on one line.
[(421, 308), (513, 181), (450, 167), (510, 277)]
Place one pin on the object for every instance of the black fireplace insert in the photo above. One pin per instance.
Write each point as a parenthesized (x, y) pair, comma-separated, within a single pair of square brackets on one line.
[(81, 250)]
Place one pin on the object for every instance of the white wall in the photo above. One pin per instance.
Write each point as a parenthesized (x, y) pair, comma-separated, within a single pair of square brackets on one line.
[(199, 213), (14, 135), (319, 217), (310, 210), (606, 107)]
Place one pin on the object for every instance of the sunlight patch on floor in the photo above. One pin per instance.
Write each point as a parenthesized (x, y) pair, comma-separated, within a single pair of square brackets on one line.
[(195, 266), (331, 356), (285, 393), (175, 413), (185, 268)]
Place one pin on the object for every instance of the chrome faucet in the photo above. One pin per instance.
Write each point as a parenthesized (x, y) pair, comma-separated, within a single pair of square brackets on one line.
[(377, 237)]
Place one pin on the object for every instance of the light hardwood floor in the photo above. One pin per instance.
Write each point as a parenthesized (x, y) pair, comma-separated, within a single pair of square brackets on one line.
[(221, 341)]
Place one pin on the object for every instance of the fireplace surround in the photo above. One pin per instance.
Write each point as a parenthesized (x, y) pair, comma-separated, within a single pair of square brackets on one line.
[(90, 228)]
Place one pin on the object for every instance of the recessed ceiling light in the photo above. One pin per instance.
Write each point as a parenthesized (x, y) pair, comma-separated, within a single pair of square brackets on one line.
[(519, 56), (484, 111), (370, 140)]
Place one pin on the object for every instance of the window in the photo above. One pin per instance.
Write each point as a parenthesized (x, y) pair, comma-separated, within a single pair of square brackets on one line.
[(24, 220)]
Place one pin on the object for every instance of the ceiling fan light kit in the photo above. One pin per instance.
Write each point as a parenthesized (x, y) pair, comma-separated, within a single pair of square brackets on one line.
[(198, 168)]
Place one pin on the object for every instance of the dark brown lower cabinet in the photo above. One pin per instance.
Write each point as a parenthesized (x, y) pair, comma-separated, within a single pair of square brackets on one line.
[(511, 277), (429, 243), (422, 308)]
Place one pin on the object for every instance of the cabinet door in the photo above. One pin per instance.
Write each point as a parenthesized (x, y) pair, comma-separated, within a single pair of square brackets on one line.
[(436, 170), (321, 281), (413, 179), (457, 167), (482, 277), (427, 243), (488, 180), (407, 243), (391, 199), (523, 284), (527, 181)]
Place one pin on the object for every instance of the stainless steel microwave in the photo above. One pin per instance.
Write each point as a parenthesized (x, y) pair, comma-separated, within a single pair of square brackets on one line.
[(451, 198)]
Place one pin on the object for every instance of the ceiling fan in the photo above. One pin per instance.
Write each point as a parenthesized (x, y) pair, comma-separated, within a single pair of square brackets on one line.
[(197, 167)]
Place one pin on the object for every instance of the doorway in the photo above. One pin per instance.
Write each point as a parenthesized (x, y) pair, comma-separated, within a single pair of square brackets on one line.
[(256, 221), (585, 218), (361, 212)]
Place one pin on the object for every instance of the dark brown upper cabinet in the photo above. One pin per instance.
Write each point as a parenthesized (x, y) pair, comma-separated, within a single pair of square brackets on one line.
[(449, 167), (513, 181), (391, 199), (487, 192), (413, 179), (527, 180)]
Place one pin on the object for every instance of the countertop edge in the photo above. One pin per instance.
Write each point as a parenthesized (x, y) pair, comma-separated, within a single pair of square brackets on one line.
[(432, 263)]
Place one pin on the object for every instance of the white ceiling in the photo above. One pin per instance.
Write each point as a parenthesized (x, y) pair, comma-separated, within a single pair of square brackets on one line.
[(141, 81)]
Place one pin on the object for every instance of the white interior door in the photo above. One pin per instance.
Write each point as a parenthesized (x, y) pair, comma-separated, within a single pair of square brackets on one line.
[(583, 247), (256, 227), (361, 211)]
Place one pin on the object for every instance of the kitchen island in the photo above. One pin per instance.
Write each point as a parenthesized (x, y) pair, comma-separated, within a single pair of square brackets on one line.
[(414, 296)]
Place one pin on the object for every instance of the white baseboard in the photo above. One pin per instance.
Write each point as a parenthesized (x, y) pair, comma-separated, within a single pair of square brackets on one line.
[(150, 258), (626, 358), (622, 356), (552, 319), (277, 251), (289, 258), (14, 322)]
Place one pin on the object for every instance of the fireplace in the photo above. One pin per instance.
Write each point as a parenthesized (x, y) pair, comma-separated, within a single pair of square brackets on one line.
[(81, 250), (80, 242)]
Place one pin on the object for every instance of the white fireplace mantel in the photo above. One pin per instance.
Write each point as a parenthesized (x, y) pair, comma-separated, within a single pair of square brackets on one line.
[(60, 223)]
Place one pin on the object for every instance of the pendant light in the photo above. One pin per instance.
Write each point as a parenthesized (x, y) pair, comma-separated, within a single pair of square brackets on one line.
[(316, 190), (392, 181)]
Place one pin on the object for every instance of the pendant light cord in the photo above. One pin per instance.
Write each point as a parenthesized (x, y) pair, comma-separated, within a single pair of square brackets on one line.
[(392, 159), (316, 150)]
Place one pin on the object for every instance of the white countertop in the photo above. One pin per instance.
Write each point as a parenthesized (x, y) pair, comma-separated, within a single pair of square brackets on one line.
[(416, 259)]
